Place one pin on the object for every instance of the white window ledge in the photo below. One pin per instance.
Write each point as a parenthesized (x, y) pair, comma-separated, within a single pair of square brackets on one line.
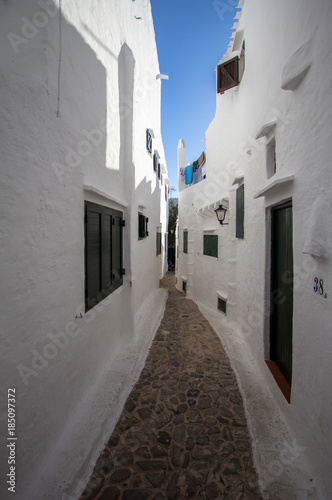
[(238, 180), (222, 295), (266, 129), (93, 189), (283, 182)]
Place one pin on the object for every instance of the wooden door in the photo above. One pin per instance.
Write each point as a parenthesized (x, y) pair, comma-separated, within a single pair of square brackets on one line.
[(281, 325)]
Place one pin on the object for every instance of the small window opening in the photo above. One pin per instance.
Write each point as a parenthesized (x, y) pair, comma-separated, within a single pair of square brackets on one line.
[(271, 158), (185, 241), (222, 305), (143, 229)]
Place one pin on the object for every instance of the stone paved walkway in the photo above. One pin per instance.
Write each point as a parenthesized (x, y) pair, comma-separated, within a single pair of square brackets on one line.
[(182, 432)]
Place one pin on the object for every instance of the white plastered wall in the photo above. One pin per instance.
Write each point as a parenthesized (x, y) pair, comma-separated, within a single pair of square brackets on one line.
[(273, 32), (70, 132)]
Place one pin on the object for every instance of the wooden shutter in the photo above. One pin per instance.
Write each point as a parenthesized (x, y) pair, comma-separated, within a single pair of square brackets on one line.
[(210, 245), (155, 162), (240, 212), (148, 140), (106, 255), (227, 75), (185, 241), (158, 243), (117, 251), (158, 170), (93, 248), (103, 252), (222, 305)]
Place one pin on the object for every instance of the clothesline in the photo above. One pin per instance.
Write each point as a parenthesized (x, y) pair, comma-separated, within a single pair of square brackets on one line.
[(195, 172)]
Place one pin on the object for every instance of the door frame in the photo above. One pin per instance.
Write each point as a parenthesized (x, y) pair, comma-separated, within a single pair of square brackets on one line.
[(280, 379)]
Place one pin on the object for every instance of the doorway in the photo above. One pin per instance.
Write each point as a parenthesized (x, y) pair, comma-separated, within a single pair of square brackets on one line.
[(281, 293)]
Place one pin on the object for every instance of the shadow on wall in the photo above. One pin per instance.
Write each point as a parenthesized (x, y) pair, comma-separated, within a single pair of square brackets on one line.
[(41, 230), (126, 68), (53, 128)]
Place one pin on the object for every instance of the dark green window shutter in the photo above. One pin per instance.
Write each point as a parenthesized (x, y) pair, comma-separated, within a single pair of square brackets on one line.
[(106, 256), (240, 212), (158, 243), (210, 245), (141, 226), (222, 305), (155, 162), (185, 241), (103, 252), (117, 251), (93, 248), (148, 140)]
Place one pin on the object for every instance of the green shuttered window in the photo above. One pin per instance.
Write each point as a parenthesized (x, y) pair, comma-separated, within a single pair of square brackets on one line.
[(158, 243), (185, 241), (210, 245), (148, 140), (222, 305), (103, 252), (240, 212), (143, 226)]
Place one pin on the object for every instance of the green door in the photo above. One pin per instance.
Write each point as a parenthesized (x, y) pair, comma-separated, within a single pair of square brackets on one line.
[(281, 326)]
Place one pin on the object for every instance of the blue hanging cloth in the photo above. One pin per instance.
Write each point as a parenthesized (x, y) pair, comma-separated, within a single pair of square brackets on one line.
[(189, 174)]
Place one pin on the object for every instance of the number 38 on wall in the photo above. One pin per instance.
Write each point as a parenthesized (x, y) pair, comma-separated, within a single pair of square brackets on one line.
[(319, 287)]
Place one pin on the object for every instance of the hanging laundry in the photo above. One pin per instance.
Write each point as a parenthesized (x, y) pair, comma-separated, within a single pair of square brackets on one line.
[(201, 159), (195, 166), (183, 174), (203, 169), (189, 174), (197, 177)]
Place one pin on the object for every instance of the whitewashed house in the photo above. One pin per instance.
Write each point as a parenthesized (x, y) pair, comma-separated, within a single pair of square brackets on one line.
[(264, 277), (83, 229)]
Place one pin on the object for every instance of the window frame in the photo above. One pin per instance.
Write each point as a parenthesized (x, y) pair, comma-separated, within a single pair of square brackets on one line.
[(149, 140), (158, 243), (143, 226), (239, 224), (222, 305), (155, 162), (185, 241), (206, 246), (114, 246), (231, 78), (271, 157)]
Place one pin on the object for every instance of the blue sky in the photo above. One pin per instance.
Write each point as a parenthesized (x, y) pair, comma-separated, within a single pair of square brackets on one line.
[(192, 36)]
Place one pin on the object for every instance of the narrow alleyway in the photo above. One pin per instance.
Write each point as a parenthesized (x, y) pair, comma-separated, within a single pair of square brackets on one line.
[(182, 432)]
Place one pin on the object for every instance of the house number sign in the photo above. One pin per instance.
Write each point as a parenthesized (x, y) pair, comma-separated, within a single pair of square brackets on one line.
[(319, 287)]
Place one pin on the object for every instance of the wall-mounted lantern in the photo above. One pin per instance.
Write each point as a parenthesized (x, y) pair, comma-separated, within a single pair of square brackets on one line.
[(221, 213)]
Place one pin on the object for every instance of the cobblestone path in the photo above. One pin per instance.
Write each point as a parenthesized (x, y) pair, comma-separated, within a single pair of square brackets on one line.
[(182, 432)]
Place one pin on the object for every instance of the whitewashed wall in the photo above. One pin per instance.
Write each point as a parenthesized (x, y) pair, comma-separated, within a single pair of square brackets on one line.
[(273, 32), (73, 118)]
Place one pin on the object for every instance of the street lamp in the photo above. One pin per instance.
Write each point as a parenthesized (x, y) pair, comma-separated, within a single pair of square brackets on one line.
[(221, 213)]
